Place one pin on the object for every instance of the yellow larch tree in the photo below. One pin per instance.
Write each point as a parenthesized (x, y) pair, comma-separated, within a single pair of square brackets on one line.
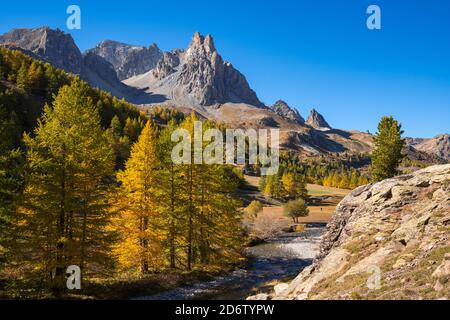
[(139, 223)]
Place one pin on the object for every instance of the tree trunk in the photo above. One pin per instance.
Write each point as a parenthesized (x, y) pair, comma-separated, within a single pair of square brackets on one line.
[(190, 225), (60, 247), (172, 221), (145, 266)]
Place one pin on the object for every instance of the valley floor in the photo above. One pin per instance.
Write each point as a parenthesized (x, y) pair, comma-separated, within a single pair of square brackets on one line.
[(327, 198)]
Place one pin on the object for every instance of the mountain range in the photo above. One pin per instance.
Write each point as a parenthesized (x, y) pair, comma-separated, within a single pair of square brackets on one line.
[(196, 79)]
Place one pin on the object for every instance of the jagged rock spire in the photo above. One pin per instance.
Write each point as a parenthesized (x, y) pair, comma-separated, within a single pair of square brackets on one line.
[(317, 121), (284, 110)]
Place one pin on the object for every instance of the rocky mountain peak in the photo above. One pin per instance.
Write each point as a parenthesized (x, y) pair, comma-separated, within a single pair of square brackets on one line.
[(317, 121), (284, 110), (197, 77), (201, 45), (50, 45)]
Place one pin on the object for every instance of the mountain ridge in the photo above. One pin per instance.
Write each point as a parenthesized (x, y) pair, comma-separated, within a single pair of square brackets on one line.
[(194, 79), (128, 60)]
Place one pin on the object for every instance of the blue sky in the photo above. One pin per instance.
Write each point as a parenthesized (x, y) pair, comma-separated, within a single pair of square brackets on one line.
[(312, 54)]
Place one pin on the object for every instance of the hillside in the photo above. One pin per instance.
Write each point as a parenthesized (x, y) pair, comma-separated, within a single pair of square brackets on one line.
[(27, 85), (400, 227), (439, 145)]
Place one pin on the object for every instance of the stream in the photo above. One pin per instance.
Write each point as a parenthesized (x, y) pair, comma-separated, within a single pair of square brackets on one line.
[(279, 259)]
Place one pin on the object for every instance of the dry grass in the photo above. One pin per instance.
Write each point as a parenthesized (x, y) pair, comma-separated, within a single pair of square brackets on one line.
[(317, 191), (320, 213)]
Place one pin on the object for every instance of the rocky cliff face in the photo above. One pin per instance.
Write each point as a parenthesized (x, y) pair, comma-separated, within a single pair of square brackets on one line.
[(209, 79), (50, 45), (317, 121), (197, 77), (128, 60), (59, 49), (396, 231), (439, 145), (284, 110)]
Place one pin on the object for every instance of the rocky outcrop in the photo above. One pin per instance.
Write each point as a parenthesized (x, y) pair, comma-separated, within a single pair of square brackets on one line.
[(389, 240), (128, 60), (284, 110), (167, 65), (439, 145), (317, 121)]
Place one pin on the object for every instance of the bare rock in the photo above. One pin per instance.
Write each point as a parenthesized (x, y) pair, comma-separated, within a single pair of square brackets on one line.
[(128, 60), (317, 121), (280, 288), (284, 110), (261, 296), (393, 225), (444, 268)]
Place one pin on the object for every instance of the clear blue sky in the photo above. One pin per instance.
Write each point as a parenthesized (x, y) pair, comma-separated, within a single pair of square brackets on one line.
[(310, 53)]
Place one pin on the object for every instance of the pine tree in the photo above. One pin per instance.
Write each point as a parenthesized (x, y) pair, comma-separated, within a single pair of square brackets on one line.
[(116, 127), (132, 128), (119, 143), (22, 77), (336, 180), (354, 180), (387, 153), (65, 212), (345, 181), (11, 184), (35, 77)]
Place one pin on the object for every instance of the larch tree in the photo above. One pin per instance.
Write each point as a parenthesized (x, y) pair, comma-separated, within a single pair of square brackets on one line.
[(294, 186), (212, 222), (171, 182), (69, 161), (140, 225)]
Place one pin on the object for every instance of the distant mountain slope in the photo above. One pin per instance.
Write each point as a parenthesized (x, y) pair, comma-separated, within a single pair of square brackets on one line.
[(440, 145), (22, 98), (50, 45), (59, 49), (128, 60)]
